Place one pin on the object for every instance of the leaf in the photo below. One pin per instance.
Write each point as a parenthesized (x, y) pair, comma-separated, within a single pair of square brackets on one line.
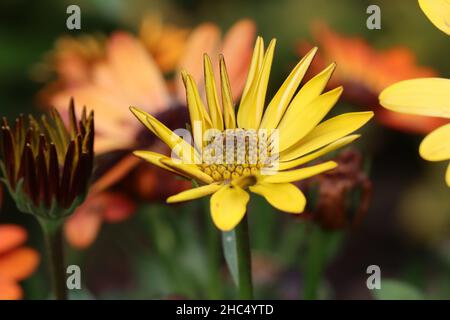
[(397, 290), (230, 252)]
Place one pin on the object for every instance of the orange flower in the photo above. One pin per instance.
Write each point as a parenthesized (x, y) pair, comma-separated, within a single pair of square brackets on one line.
[(82, 228), (16, 262), (165, 42), (365, 72), (125, 73)]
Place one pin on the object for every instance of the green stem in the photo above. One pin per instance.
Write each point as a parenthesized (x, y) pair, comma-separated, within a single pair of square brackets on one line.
[(55, 249), (315, 260), (214, 259), (244, 260)]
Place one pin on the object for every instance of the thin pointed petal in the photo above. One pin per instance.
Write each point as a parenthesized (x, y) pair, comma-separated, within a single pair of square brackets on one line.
[(312, 156), (195, 193), (211, 95), (190, 170), (255, 65), (178, 145), (154, 158), (327, 132), (227, 97), (299, 174), (252, 105), (304, 119), (281, 100)]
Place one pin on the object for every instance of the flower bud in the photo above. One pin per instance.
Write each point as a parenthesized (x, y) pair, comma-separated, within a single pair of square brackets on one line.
[(45, 165), (343, 193)]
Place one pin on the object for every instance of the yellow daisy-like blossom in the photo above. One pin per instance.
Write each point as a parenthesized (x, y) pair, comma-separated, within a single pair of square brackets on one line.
[(426, 96), (277, 140)]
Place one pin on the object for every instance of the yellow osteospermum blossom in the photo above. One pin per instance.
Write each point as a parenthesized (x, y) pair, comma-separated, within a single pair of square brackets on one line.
[(264, 146), (426, 96), (438, 11)]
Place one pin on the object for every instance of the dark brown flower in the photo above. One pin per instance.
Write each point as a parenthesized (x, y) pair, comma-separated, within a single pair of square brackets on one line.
[(343, 193), (45, 166)]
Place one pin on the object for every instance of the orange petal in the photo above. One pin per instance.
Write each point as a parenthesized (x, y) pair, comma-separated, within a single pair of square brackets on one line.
[(116, 173), (204, 39), (137, 73), (10, 290), (237, 50), (82, 228), (18, 264), (117, 207), (11, 236)]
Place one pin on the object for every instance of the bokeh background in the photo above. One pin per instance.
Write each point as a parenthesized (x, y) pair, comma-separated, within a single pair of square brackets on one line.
[(162, 252)]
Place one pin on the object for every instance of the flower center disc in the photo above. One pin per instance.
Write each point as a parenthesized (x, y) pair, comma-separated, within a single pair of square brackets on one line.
[(233, 153)]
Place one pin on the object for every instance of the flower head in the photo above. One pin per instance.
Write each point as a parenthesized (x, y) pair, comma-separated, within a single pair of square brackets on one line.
[(426, 96), (46, 167), (258, 149), (17, 262), (343, 193)]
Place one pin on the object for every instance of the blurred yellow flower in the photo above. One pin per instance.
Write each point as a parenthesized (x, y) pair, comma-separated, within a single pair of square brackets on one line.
[(438, 11), (273, 144), (426, 96)]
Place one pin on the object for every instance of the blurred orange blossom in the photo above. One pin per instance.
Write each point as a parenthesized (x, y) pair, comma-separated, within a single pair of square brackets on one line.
[(17, 262), (108, 75), (365, 72)]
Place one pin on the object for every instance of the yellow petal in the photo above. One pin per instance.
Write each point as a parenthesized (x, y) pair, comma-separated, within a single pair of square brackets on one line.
[(154, 158), (329, 148), (303, 119), (438, 11), (252, 104), (211, 94), (311, 90), (188, 169), (424, 96), (436, 145), (280, 101), (228, 207), (197, 111), (299, 174), (447, 175), (229, 114), (283, 196), (327, 132), (195, 193), (178, 145), (255, 65)]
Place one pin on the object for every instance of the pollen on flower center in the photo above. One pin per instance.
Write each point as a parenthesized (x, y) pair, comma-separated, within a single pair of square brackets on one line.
[(234, 153)]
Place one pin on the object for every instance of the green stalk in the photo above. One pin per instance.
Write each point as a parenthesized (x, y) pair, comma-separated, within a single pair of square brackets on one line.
[(214, 258), (55, 249), (315, 259), (321, 247), (244, 260)]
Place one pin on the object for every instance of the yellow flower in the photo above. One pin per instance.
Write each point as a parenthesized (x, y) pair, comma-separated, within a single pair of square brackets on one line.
[(438, 11), (426, 96), (264, 147)]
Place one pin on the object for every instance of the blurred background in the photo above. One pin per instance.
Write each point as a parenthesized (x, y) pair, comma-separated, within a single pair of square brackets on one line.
[(388, 207)]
